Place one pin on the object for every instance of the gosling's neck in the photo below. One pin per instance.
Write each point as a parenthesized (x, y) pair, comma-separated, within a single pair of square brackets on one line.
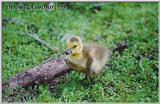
[(77, 55)]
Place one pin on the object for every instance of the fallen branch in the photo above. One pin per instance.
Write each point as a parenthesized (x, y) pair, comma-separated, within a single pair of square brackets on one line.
[(43, 73)]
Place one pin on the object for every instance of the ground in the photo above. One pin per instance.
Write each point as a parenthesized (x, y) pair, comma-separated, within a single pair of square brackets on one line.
[(131, 75)]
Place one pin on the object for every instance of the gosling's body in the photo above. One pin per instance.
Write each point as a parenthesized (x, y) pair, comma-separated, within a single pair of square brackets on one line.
[(91, 57)]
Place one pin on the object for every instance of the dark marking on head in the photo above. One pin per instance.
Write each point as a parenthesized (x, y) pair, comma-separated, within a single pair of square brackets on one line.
[(74, 39)]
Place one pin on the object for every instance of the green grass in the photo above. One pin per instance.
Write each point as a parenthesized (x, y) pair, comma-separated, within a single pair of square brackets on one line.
[(132, 75)]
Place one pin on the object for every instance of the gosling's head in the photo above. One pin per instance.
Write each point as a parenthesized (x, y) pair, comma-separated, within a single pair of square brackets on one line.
[(74, 45)]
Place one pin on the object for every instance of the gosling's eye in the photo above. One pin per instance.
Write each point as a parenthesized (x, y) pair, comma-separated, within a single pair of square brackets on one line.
[(75, 46)]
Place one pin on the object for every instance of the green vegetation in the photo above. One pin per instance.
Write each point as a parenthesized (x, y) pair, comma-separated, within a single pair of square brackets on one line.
[(131, 76)]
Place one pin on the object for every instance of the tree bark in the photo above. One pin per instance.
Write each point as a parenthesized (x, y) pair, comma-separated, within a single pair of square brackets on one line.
[(43, 73)]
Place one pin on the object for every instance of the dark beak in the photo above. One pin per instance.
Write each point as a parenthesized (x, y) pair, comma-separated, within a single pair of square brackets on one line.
[(68, 51)]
